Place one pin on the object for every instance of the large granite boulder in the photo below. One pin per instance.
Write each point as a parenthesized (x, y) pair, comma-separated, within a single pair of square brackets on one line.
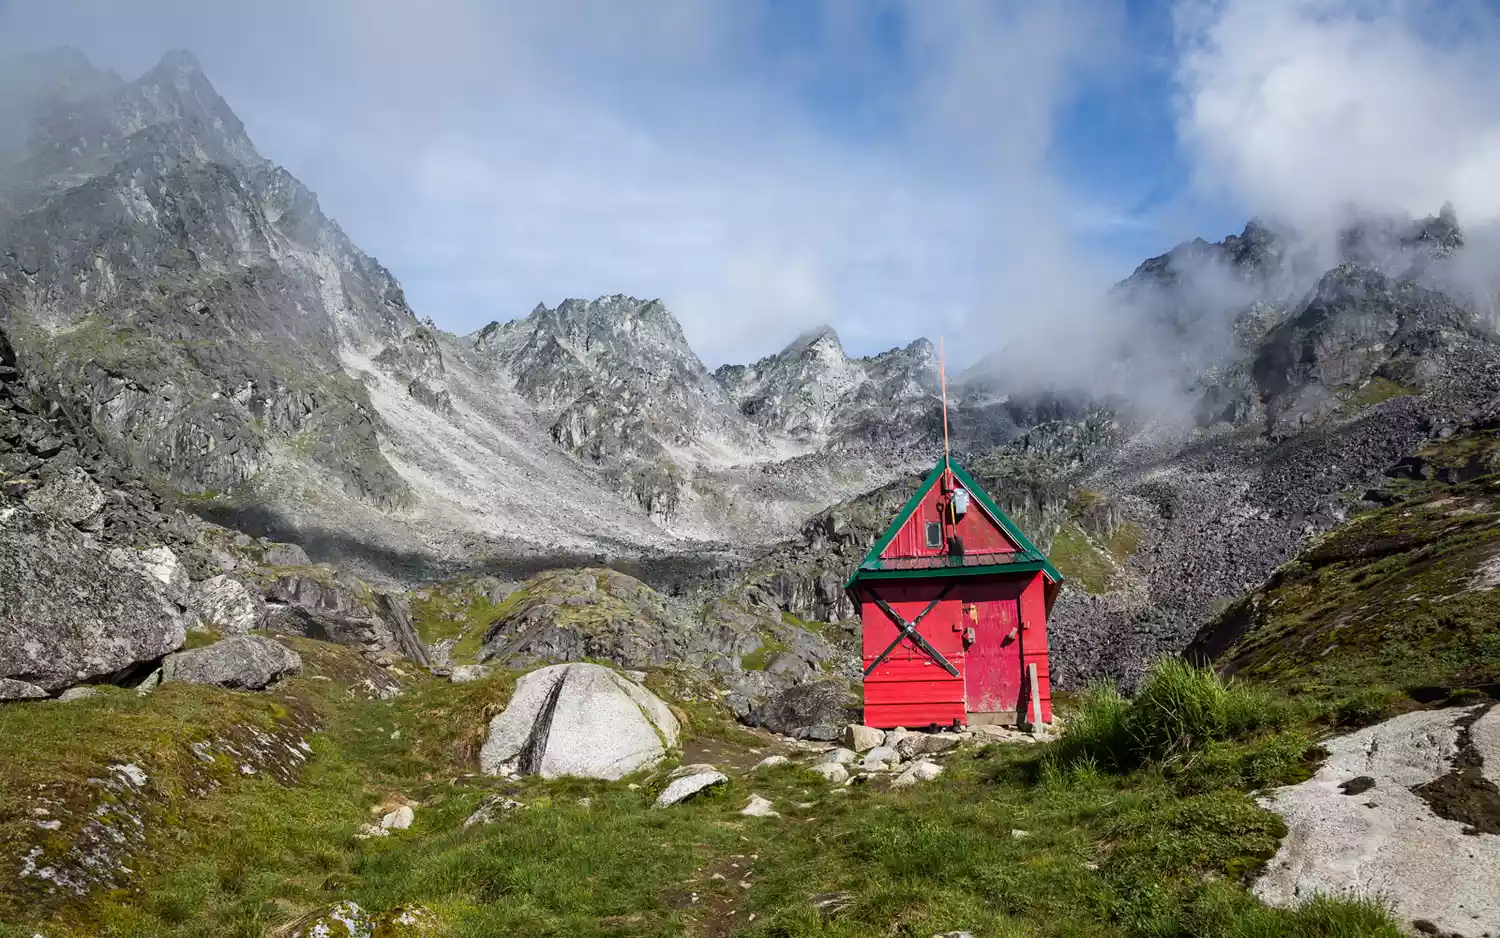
[(578, 719), (245, 662), (69, 611)]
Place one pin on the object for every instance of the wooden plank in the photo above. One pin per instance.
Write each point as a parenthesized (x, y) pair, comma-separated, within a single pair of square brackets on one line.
[(1034, 708)]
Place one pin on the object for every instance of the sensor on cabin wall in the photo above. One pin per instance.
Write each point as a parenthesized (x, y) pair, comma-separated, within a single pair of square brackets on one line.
[(960, 502)]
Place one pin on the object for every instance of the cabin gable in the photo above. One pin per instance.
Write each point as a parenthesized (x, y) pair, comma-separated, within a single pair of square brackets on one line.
[(991, 542), (981, 534)]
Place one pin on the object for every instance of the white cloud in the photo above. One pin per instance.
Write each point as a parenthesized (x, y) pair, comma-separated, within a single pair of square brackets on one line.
[(1299, 108), (497, 155)]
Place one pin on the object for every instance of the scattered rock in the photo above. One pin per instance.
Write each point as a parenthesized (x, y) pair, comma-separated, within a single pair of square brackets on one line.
[(759, 807), (859, 737), (491, 809), (578, 719), (880, 758), (408, 921), (1018, 834), (226, 605), (832, 771), (245, 662), (830, 904), (922, 771), (688, 786), (465, 673), (81, 692), (399, 819), (366, 831), (770, 762), (12, 689), (1004, 734), (70, 497), (911, 745), (935, 743), (696, 768), (840, 756), (341, 920), (149, 683), (954, 934)]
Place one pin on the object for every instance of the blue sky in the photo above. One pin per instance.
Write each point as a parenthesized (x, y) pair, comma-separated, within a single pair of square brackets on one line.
[(894, 168)]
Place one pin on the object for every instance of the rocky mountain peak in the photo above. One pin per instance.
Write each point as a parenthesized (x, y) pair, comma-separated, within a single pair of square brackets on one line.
[(821, 341), (615, 378), (814, 392), (180, 61)]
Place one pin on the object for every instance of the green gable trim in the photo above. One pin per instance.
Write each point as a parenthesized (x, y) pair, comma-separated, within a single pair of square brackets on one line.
[(1010, 526), (991, 569), (1031, 558), (872, 559)]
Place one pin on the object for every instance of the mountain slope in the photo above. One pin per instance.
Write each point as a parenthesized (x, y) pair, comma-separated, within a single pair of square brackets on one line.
[(1399, 596)]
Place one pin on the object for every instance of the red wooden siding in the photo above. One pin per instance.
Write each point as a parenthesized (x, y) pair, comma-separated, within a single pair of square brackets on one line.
[(1034, 640), (981, 534), (909, 688)]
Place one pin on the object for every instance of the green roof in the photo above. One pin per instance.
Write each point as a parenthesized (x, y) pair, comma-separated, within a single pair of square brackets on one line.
[(1027, 560)]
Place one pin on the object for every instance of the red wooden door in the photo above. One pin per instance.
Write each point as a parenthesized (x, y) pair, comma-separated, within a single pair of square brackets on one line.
[(992, 679), (907, 687)]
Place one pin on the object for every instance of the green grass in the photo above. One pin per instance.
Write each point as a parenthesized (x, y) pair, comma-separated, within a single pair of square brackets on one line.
[(1190, 723), (806, 625), (1161, 848), (760, 657), (1377, 390), (458, 610), (1125, 541), (1075, 555)]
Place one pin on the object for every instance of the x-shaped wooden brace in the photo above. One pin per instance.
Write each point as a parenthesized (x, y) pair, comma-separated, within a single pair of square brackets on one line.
[(905, 630)]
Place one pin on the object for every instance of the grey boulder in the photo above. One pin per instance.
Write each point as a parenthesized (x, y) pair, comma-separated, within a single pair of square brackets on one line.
[(819, 710), (465, 673), (581, 720), (226, 605), (922, 771), (859, 737), (163, 566), (71, 612), (245, 662), (759, 807), (12, 689), (70, 497), (689, 786)]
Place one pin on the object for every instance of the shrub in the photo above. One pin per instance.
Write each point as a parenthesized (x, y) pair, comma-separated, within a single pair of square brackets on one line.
[(1367, 708), (1232, 913), (1180, 709)]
